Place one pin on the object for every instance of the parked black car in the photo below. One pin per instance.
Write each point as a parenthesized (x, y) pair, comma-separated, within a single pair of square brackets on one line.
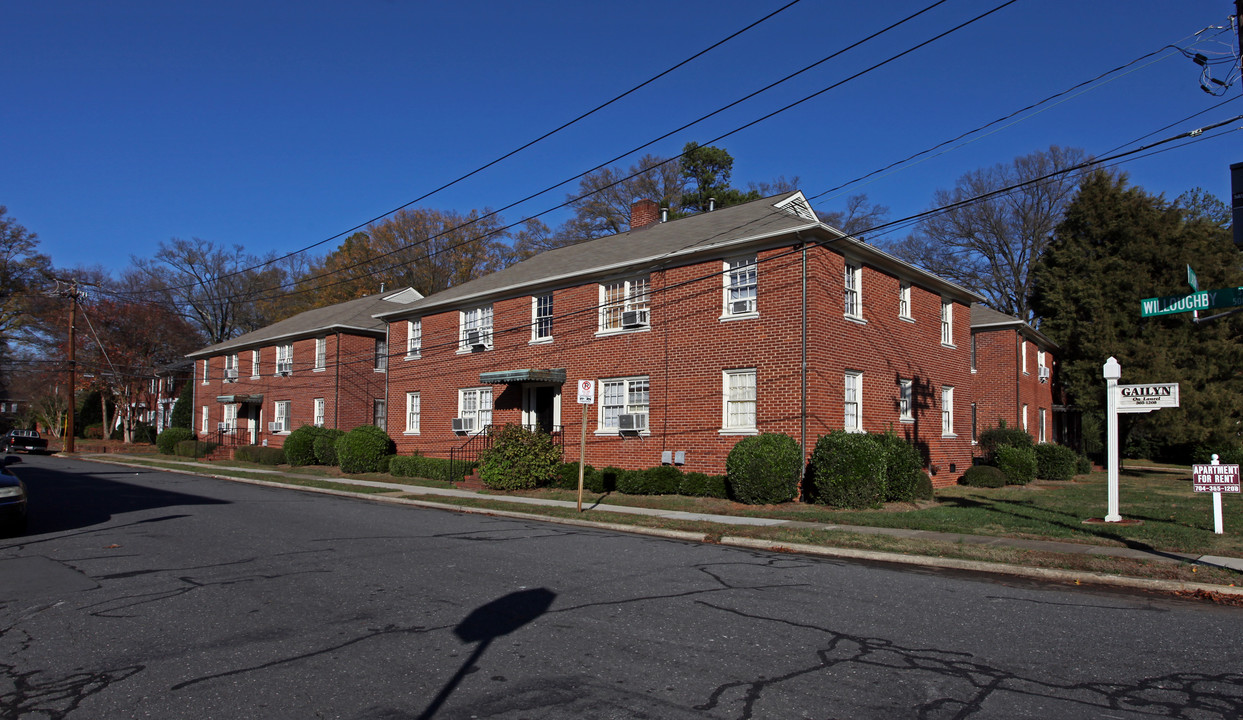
[(12, 499), (27, 440)]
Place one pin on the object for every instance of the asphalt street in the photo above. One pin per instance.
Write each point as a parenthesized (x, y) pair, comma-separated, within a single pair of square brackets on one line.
[(138, 593)]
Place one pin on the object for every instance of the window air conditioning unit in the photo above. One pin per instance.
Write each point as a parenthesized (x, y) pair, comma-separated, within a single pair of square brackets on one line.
[(274, 427), (1044, 373), (741, 306), (461, 425), (632, 422), (474, 339), (634, 318), (230, 373)]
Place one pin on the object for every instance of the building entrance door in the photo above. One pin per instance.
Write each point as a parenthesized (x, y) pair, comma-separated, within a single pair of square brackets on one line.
[(541, 407)]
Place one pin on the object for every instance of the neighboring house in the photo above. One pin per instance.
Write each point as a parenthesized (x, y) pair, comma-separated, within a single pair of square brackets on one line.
[(164, 390), (322, 367), (1013, 368), (698, 332)]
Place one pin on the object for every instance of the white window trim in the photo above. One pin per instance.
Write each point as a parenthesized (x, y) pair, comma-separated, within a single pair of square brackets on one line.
[(381, 355), (1025, 417), (380, 418), (321, 354), (414, 408), (727, 307), (483, 325), (285, 365), (536, 317), (947, 412), (206, 419), (1043, 420), (318, 412), (904, 301), (414, 339), (858, 401), (254, 364), (479, 393), (206, 371), (852, 282), (906, 396), (628, 303), (613, 430), (1023, 354), (947, 323), (231, 363), (282, 418), (726, 428)]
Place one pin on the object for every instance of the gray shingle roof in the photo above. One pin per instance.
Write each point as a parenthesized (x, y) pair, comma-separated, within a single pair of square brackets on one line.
[(356, 316), (984, 317)]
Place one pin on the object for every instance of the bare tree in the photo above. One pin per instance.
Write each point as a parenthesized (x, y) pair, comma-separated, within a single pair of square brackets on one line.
[(859, 216), (990, 246), (23, 273), (605, 197)]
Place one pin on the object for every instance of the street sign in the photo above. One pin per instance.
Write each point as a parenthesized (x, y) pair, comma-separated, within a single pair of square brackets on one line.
[(1146, 398), (1192, 280), (586, 392), (1202, 300), (1215, 478)]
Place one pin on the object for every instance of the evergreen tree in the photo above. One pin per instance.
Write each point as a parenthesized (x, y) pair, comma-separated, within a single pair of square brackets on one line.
[(183, 409), (1116, 246)]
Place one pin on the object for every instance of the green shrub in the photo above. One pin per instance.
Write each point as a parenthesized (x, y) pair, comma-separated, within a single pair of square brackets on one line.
[(1083, 465), (193, 448), (764, 469), (1002, 436), (519, 459), (386, 463), (661, 480), (1018, 463), (183, 410), (259, 454), (848, 470), (697, 484), (1056, 462), (325, 446), (567, 476), (94, 431), (363, 449), (144, 433), (300, 445), (167, 441), (905, 479), (606, 480), (985, 476), (429, 468)]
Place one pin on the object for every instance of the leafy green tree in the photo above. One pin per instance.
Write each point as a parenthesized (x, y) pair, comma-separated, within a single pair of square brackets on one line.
[(706, 174), (1116, 246), (23, 272), (183, 409)]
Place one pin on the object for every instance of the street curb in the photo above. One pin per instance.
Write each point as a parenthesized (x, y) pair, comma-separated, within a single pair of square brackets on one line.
[(1048, 574)]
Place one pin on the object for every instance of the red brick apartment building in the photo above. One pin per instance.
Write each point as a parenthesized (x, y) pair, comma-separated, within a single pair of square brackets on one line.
[(322, 367), (700, 331), (1013, 368)]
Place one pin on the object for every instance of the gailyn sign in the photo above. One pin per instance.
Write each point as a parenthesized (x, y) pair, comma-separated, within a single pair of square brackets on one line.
[(1144, 398)]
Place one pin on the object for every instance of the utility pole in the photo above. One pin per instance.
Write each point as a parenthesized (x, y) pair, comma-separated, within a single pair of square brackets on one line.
[(73, 294)]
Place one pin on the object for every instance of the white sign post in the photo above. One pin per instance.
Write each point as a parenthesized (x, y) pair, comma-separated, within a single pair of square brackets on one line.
[(586, 398), (1215, 478), (1127, 399)]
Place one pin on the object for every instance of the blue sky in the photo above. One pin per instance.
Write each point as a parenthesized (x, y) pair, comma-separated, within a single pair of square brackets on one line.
[(278, 125)]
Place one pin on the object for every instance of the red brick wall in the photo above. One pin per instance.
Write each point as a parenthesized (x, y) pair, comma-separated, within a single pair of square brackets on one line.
[(348, 384), (1002, 386), (685, 353)]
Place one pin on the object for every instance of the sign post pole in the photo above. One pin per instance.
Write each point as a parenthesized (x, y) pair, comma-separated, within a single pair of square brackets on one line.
[(586, 398), (1216, 478), (1112, 372), (1217, 519)]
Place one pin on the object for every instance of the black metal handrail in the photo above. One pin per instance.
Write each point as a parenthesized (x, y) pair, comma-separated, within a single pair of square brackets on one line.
[(229, 436)]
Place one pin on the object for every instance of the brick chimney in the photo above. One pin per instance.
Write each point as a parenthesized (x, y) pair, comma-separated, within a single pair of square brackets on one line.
[(644, 213)]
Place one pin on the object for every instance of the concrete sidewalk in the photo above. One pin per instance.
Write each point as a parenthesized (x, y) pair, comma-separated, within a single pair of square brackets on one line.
[(727, 520)]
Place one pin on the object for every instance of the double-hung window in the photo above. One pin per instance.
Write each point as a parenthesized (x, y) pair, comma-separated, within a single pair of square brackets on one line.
[(230, 417), (379, 413), (741, 286), (624, 396), (412, 413), (947, 323), (284, 359), (206, 370), (740, 400), (624, 304), (254, 363), (852, 409), (475, 408), (904, 300), (281, 420), (230, 368), (321, 353), (906, 400), (853, 282), (1042, 437), (475, 328), (414, 338), (319, 412), (947, 411), (1023, 354), (206, 417), (381, 354), (541, 318)]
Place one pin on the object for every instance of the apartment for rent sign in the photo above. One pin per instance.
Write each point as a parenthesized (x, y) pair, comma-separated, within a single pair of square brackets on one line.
[(1215, 478)]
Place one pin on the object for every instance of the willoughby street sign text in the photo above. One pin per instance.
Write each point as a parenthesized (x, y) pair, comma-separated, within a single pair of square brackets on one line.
[(1202, 300)]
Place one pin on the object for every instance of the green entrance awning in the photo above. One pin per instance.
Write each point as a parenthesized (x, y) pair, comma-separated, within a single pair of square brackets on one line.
[(504, 377), (240, 399)]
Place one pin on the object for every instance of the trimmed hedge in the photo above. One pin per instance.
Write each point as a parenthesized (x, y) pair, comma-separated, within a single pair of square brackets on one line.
[(697, 484), (848, 470), (300, 445), (417, 466), (167, 441), (984, 476), (660, 480), (325, 446), (1018, 463), (764, 469), (567, 476), (1056, 462), (260, 454), (193, 448), (519, 459), (363, 449), (905, 479), (1002, 436)]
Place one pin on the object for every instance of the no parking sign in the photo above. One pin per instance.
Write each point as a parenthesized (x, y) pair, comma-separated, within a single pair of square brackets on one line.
[(586, 392)]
